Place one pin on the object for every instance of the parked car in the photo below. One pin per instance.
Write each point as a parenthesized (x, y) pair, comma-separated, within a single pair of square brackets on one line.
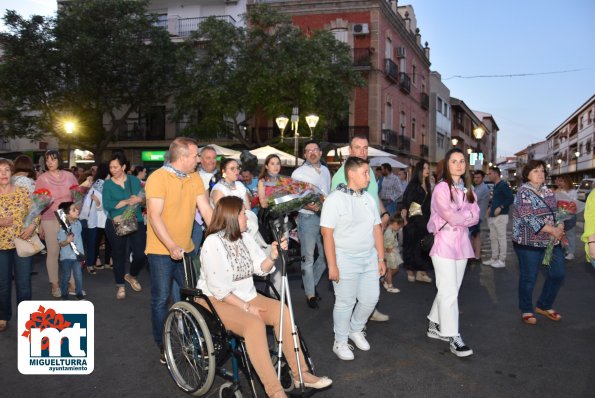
[(585, 188)]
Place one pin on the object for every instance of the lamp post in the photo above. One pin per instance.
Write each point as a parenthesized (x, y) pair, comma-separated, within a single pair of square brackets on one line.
[(281, 121), (454, 141), (478, 133), (69, 127), (559, 164)]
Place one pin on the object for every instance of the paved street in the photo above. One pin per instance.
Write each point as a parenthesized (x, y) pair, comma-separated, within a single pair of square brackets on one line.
[(511, 359)]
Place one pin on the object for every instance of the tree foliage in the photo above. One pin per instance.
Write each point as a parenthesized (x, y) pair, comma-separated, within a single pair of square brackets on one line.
[(261, 71), (96, 61)]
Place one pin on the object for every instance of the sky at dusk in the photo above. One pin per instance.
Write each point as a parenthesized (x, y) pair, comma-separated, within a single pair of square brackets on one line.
[(487, 38)]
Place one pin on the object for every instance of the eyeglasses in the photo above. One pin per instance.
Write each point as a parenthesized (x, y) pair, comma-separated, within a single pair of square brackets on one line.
[(312, 150)]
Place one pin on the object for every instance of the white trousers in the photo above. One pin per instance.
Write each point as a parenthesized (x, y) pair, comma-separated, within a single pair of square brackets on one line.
[(445, 309)]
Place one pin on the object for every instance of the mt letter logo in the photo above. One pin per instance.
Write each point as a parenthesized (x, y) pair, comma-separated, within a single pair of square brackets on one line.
[(56, 337)]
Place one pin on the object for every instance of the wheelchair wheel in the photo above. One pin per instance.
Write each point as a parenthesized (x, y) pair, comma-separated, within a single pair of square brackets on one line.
[(228, 390), (188, 348)]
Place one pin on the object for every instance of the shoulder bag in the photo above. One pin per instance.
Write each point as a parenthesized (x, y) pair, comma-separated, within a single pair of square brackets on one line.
[(29, 247)]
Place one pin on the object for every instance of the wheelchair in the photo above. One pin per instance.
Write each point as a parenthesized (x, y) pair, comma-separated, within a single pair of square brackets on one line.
[(197, 346)]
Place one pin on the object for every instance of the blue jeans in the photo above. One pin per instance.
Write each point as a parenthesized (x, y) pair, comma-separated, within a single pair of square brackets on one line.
[(390, 206), (11, 264), (357, 287), (197, 237), (309, 234), (66, 267), (530, 263), (91, 245), (164, 270)]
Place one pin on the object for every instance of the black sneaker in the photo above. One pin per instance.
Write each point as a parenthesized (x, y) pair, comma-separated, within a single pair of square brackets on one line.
[(434, 332), (161, 356), (458, 347), (312, 302)]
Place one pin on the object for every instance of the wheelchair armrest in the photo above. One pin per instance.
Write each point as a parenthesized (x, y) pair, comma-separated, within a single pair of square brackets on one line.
[(190, 292)]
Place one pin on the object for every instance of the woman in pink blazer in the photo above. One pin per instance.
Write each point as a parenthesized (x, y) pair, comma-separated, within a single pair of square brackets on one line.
[(454, 210)]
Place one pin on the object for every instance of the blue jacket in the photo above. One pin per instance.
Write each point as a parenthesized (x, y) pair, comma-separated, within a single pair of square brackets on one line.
[(501, 197)]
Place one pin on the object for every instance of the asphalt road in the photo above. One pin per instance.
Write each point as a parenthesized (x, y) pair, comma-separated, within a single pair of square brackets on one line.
[(551, 359)]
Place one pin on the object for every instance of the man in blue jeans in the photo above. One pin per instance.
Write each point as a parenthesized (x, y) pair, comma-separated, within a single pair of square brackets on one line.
[(317, 174), (174, 192)]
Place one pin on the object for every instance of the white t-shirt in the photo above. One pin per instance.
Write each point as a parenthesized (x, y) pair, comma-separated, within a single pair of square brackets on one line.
[(240, 191), (353, 218), (307, 173), (224, 272)]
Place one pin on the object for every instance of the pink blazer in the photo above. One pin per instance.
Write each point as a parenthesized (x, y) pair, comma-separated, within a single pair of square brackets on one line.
[(453, 240)]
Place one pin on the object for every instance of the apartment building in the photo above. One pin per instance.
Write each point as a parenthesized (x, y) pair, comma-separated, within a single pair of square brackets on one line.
[(440, 119), (393, 108), (570, 145)]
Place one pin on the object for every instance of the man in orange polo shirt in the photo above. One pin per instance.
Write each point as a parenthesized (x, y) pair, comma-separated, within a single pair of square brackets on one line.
[(173, 193)]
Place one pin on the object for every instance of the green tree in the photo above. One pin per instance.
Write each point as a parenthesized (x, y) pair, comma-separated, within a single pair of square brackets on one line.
[(96, 61), (258, 72)]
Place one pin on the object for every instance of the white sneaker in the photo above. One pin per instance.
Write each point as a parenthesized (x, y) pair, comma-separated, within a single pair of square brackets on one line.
[(569, 257), (498, 264), (343, 351), (379, 316), (360, 340), (489, 262)]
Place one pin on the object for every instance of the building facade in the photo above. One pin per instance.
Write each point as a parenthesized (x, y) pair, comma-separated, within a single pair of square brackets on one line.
[(570, 145), (393, 108), (440, 118)]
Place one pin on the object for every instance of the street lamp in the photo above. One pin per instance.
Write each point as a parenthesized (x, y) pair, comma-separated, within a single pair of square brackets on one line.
[(295, 121), (577, 154), (69, 127), (559, 165), (478, 133), (454, 141), (282, 123), (469, 151), (312, 121)]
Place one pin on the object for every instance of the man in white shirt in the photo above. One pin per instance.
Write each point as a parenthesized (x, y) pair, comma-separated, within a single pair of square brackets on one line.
[(391, 189), (207, 170), (315, 173)]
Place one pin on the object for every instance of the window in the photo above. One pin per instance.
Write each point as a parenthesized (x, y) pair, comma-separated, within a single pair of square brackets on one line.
[(340, 34), (388, 50), (403, 121), (439, 104), (388, 116), (588, 147), (440, 140), (445, 110), (590, 118), (413, 73), (413, 126)]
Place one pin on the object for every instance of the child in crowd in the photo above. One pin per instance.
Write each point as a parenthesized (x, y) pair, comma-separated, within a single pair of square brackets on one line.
[(392, 253), (68, 260)]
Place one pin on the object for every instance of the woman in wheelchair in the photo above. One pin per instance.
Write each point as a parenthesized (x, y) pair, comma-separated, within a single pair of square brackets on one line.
[(229, 257)]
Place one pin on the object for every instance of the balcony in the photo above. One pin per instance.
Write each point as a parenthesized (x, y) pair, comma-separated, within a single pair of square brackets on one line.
[(362, 57), (389, 137), (425, 101), (404, 144), (404, 82), (183, 27), (391, 70), (343, 134), (424, 151)]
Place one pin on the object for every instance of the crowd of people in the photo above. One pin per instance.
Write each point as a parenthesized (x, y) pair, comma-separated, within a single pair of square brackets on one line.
[(365, 227)]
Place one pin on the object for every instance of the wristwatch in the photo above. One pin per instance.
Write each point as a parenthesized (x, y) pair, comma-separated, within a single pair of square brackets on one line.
[(381, 260)]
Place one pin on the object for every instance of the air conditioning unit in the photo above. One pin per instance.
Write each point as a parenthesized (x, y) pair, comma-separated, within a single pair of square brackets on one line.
[(401, 52), (360, 29)]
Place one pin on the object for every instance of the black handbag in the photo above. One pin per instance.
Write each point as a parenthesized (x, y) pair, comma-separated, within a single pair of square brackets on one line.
[(427, 242)]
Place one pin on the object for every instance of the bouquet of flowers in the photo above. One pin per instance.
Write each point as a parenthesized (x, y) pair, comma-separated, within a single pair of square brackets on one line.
[(289, 195), (565, 210), (40, 199), (130, 211), (78, 194)]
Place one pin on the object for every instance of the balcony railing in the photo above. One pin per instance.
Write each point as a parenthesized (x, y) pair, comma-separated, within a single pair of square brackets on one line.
[(391, 70), (425, 101), (183, 27), (345, 133), (404, 144), (404, 82), (389, 137), (362, 57), (424, 150)]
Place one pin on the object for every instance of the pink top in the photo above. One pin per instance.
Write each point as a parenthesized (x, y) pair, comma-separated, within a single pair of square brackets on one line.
[(452, 241), (59, 188)]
